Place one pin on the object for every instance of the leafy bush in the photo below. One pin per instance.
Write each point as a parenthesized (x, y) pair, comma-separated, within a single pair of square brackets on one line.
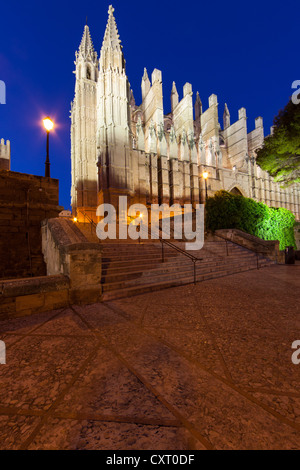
[(226, 210)]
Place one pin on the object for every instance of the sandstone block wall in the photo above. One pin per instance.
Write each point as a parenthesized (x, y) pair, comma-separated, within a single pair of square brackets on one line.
[(25, 200), (23, 297)]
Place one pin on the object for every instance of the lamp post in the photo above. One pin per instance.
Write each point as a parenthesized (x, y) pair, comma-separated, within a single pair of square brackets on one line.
[(205, 176), (48, 124)]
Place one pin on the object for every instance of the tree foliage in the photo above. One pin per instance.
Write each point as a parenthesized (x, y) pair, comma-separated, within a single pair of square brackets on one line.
[(280, 154), (226, 210)]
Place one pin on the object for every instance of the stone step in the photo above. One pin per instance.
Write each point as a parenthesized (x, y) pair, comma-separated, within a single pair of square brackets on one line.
[(136, 258), (116, 267), (120, 282), (167, 250), (131, 267), (142, 249), (157, 248), (128, 292), (119, 244), (168, 274), (111, 263)]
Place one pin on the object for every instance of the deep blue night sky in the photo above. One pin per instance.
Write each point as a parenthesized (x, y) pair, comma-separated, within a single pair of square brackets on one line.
[(245, 52)]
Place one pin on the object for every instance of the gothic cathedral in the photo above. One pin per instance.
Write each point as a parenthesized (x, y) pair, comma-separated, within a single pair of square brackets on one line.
[(121, 148)]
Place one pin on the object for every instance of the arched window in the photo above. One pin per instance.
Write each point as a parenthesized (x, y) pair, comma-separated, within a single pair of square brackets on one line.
[(88, 73)]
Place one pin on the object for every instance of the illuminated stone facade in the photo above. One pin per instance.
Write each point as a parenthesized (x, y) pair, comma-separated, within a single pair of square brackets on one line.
[(119, 147)]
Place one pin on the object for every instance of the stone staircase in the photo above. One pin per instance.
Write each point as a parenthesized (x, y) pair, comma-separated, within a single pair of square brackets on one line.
[(130, 268)]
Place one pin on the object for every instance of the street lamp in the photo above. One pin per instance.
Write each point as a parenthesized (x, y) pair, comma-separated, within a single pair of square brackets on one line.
[(205, 176), (48, 125)]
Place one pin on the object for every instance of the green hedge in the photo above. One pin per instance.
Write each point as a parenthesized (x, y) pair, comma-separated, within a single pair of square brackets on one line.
[(226, 210)]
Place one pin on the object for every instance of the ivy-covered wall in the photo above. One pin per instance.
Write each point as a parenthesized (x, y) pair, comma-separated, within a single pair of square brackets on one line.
[(226, 210)]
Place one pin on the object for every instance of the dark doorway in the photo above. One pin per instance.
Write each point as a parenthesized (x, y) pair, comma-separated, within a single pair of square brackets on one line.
[(236, 191)]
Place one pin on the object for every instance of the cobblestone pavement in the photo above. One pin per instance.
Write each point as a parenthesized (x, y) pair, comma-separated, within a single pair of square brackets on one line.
[(195, 367)]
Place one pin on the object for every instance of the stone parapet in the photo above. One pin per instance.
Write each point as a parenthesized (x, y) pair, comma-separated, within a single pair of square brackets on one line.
[(68, 252), (268, 248)]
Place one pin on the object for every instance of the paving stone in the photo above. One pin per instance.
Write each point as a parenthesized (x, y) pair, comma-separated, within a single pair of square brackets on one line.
[(15, 429), (38, 368), (107, 387), (93, 435), (193, 367)]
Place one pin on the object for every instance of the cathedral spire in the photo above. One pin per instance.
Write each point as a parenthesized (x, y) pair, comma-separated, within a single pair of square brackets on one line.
[(111, 35), (132, 99), (198, 107), (174, 97), (145, 76), (226, 117), (111, 55), (146, 85), (86, 48), (83, 110)]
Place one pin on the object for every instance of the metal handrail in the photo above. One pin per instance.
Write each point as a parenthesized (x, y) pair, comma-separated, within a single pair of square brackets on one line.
[(163, 242), (88, 218), (242, 246)]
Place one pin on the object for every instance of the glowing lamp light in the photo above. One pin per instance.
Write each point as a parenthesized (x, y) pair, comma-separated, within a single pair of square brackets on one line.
[(205, 176), (75, 219), (48, 124)]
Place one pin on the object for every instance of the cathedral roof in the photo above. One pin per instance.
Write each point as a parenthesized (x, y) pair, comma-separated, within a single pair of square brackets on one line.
[(111, 36)]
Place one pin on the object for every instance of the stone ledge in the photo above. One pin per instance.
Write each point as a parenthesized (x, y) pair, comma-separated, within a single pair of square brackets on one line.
[(23, 297), (33, 285), (28, 296), (64, 232), (28, 176), (67, 236)]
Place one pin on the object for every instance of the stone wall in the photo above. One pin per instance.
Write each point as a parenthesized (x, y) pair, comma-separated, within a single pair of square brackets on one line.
[(74, 274), (22, 297), (25, 200)]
